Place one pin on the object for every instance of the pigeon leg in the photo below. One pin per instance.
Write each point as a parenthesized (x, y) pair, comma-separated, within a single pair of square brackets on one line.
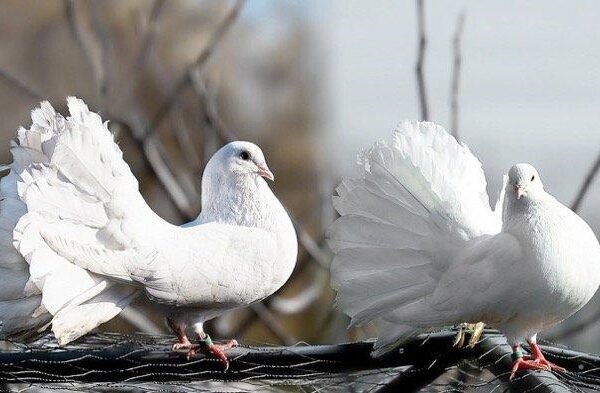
[(476, 334), (538, 357), (182, 341), (215, 350), (459, 340), (521, 362)]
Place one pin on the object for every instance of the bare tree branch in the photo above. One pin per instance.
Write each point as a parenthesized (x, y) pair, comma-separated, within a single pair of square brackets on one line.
[(267, 317), (154, 160), (585, 186), (150, 36), (456, 47), (157, 158), (91, 49), (303, 299), (145, 48), (208, 50), (421, 59), (20, 85)]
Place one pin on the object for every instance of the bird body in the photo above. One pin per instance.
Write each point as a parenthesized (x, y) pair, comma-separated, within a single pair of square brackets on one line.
[(418, 246), (88, 243)]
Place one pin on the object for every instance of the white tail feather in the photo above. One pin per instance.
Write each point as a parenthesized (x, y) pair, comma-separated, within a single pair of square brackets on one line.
[(68, 178), (420, 198)]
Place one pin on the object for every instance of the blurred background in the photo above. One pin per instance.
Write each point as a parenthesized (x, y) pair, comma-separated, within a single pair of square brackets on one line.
[(314, 82)]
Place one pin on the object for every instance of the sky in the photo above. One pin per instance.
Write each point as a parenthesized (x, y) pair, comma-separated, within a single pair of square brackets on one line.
[(530, 88), (530, 81)]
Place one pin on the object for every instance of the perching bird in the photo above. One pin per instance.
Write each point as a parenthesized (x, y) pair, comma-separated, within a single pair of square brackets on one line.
[(419, 248), (86, 243)]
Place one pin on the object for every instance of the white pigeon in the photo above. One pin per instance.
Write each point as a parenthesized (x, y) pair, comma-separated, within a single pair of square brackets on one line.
[(419, 248), (86, 243)]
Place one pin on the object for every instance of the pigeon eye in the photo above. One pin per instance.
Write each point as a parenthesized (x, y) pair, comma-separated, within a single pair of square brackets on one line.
[(533, 178), (245, 155)]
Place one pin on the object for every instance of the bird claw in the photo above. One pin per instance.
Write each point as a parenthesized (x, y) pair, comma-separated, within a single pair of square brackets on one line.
[(476, 334), (476, 330), (218, 351), (215, 350), (180, 346), (529, 363)]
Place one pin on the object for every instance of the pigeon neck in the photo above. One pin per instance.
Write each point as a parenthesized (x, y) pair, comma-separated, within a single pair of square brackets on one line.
[(515, 208), (240, 200)]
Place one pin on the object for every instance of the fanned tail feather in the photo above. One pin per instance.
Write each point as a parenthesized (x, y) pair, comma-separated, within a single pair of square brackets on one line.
[(67, 177), (419, 199)]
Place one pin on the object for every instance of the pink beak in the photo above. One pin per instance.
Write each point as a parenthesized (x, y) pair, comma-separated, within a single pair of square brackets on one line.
[(265, 172), (519, 191)]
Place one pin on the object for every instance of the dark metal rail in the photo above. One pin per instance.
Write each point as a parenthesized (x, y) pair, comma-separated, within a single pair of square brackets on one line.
[(144, 358)]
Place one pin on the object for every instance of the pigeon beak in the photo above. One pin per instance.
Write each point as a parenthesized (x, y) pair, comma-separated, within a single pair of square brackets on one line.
[(519, 191), (265, 172)]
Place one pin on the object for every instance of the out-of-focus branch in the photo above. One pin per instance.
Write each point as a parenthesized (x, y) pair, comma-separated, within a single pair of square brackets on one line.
[(149, 37), (93, 51), (138, 319), (20, 85), (421, 60), (585, 186), (301, 301), (201, 59), (145, 48), (456, 47), (156, 162), (184, 140), (267, 317)]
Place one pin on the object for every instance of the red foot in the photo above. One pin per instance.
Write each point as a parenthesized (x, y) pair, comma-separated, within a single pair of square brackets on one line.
[(529, 364), (183, 343), (215, 350), (218, 351), (538, 357), (536, 361)]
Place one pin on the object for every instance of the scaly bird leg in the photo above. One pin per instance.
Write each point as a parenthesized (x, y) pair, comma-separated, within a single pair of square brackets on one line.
[(215, 350), (476, 334), (534, 362), (182, 341), (476, 330), (538, 357)]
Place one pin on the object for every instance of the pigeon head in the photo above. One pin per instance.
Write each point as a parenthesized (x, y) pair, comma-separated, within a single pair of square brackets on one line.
[(524, 182), (240, 159), (233, 184)]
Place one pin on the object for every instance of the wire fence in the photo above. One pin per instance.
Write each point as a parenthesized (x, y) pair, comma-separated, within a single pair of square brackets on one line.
[(430, 363)]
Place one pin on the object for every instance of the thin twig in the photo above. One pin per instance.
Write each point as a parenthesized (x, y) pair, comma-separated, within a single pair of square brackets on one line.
[(102, 35), (146, 43), (585, 186), (456, 46), (92, 54), (155, 162), (156, 156), (20, 85), (421, 59), (267, 317), (149, 38), (303, 299), (201, 59)]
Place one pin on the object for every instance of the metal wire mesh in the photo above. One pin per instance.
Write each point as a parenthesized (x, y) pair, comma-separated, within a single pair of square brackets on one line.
[(429, 363)]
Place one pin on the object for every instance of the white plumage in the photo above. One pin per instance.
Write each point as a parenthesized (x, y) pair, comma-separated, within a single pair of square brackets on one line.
[(418, 246), (86, 243)]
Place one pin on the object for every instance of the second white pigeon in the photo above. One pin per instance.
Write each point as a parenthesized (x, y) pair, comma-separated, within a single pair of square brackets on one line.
[(418, 246), (86, 243)]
